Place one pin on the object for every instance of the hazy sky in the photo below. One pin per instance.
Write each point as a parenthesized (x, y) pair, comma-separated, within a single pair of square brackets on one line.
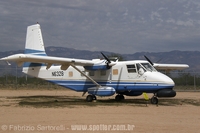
[(121, 26)]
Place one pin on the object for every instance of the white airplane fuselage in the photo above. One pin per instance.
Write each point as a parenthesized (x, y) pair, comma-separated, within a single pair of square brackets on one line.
[(118, 77)]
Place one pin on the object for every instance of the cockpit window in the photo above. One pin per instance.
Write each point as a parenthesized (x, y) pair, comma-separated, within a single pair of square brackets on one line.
[(140, 69), (148, 67)]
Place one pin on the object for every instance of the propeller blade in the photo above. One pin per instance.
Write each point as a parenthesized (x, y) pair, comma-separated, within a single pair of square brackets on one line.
[(148, 60), (106, 58)]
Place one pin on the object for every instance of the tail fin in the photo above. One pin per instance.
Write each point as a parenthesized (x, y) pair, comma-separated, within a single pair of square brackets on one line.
[(34, 41), (34, 45)]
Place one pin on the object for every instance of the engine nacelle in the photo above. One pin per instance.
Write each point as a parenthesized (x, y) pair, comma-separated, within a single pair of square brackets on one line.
[(101, 91)]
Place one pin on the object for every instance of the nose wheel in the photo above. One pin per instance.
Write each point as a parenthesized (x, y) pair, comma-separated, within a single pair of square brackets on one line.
[(154, 100)]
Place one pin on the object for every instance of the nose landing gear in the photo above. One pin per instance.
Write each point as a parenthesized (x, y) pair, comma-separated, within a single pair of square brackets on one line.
[(154, 100)]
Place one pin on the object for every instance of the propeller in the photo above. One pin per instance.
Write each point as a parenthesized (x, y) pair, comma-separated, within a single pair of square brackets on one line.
[(107, 60), (148, 60)]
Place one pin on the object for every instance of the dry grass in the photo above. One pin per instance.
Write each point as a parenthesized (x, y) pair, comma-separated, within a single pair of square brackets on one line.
[(60, 101), (76, 100), (63, 107)]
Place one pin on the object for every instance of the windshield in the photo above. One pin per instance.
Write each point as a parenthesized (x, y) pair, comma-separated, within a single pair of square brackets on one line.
[(148, 67)]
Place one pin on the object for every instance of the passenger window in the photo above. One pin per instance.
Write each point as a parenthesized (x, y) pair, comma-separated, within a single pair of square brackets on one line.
[(83, 72), (91, 73), (131, 68), (103, 72)]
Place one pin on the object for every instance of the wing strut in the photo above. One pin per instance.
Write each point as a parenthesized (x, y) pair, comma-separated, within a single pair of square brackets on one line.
[(98, 85)]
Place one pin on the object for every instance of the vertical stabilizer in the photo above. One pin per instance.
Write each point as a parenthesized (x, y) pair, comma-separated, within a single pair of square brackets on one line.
[(34, 45), (34, 41)]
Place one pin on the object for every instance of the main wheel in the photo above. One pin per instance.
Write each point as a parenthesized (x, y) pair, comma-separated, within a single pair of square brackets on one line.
[(119, 97), (94, 97), (89, 98), (154, 100)]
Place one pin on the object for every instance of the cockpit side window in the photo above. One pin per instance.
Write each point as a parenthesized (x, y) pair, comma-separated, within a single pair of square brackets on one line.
[(131, 68), (148, 67), (139, 66)]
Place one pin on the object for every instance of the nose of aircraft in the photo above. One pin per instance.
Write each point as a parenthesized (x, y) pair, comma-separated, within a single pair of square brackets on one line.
[(160, 78), (166, 79)]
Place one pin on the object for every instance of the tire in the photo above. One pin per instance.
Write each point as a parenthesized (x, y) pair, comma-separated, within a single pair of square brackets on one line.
[(94, 97), (89, 98), (119, 97), (154, 100)]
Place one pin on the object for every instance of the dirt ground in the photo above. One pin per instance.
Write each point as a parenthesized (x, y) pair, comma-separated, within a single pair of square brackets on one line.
[(42, 111)]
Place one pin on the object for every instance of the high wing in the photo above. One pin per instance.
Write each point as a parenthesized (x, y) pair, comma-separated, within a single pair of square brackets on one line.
[(170, 67), (49, 60)]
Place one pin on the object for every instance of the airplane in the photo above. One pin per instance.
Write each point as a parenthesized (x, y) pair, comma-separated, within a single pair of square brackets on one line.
[(97, 77)]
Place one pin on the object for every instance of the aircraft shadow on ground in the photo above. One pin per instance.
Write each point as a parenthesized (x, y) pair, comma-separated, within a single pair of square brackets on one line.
[(41, 101)]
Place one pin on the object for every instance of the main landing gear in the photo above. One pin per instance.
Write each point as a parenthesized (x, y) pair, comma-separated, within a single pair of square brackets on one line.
[(90, 98), (119, 97)]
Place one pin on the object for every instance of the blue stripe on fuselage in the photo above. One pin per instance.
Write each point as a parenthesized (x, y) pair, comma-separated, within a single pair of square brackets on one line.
[(119, 86)]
